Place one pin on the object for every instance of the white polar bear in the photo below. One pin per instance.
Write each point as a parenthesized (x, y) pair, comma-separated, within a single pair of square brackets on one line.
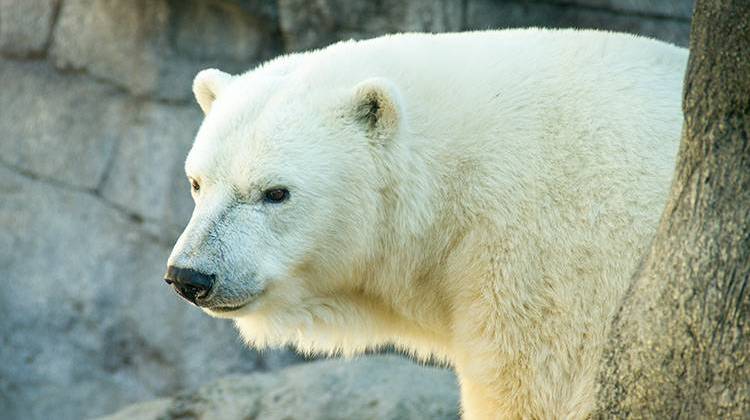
[(480, 197)]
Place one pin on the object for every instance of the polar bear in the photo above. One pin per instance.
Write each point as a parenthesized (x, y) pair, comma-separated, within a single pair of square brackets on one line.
[(480, 198)]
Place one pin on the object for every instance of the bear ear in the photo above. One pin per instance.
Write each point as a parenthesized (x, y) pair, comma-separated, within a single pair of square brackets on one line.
[(207, 85), (377, 108)]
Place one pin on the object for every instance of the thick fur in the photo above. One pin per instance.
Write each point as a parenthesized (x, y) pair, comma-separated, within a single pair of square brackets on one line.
[(481, 198)]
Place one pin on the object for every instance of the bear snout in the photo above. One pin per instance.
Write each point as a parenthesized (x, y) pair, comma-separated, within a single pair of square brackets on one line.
[(191, 284)]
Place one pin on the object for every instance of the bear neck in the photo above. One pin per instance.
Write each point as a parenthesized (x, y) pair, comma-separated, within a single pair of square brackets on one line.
[(423, 220)]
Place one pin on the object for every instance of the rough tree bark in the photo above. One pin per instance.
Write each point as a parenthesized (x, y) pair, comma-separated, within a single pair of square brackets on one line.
[(680, 342)]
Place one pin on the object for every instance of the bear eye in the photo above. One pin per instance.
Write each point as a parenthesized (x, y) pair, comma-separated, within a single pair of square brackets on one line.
[(275, 195), (195, 185)]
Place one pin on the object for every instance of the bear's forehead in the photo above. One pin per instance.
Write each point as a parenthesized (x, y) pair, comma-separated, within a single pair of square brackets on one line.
[(260, 122), (217, 150), (253, 145)]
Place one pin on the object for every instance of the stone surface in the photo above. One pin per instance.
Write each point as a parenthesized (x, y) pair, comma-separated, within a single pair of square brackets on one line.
[(376, 387), (306, 24), (130, 150), (156, 47), (488, 14), (681, 9), (87, 324), (146, 175), (61, 127), (118, 40), (25, 26)]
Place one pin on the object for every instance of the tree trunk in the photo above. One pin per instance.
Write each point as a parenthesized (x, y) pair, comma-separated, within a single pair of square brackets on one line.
[(680, 342)]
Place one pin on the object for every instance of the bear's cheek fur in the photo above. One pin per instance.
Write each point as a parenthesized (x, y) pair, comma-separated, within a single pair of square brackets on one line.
[(280, 241)]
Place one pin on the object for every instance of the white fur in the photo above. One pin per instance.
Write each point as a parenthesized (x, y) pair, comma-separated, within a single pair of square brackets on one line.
[(488, 212), (207, 86)]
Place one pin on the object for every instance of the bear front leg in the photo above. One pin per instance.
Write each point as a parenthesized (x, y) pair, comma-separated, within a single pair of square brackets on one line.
[(487, 394), (476, 404)]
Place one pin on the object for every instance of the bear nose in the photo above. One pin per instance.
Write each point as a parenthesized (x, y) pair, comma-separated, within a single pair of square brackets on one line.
[(189, 283)]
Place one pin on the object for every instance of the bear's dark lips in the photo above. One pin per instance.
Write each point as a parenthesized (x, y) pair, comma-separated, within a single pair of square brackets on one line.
[(231, 308), (227, 308)]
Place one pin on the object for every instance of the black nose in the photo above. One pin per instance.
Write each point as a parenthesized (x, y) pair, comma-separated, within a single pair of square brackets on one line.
[(189, 283)]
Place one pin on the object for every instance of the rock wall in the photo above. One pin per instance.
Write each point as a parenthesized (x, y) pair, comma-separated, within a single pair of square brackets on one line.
[(376, 388), (96, 117)]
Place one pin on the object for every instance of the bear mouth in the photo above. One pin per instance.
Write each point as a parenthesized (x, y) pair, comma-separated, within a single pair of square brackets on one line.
[(232, 310), (227, 308)]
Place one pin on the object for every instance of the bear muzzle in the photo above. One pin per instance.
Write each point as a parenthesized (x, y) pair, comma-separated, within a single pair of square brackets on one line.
[(191, 284)]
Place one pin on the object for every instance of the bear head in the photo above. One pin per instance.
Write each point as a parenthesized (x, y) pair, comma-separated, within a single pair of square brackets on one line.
[(288, 181)]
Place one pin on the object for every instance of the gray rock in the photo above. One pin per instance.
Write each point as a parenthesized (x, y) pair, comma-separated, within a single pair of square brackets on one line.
[(75, 131), (116, 40), (156, 47), (680, 9), (488, 14), (150, 410), (264, 10), (25, 26), (306, 24), (146, 174), (376, 387), (59, 127), (87, 324)]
